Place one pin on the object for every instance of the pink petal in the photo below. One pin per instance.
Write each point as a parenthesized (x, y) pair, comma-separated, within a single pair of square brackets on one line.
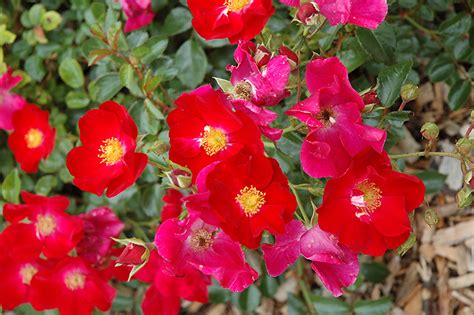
[(9, 103), (291, 3), (285, 251), (336, 265), (323, 155), (330, 77)]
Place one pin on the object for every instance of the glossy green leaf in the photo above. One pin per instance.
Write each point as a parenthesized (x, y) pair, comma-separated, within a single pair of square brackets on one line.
[(77, 99), (177, 21), (105, 87), (459, 94), (330, 306), (390, 81)]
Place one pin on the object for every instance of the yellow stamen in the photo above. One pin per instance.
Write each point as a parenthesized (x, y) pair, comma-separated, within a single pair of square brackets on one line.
[(27, 272), (243, 91), (201, 240), (250, 200), (33, 138), (111, 151), (212, 140), (369, 201), (45, 224), (75, 280), (236, 5)]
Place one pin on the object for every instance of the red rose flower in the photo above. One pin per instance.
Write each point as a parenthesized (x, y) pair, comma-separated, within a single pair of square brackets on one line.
[(72, 286), (99, 226), (173, 204), (244, 195), (33, 138), (367, 207), (232, 19), (56, 231), (204, 129), (107, 157), (19, 263)]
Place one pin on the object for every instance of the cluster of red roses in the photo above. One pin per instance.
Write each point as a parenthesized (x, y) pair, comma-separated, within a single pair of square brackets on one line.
[(239, 192), (36, 266), (240, 20)]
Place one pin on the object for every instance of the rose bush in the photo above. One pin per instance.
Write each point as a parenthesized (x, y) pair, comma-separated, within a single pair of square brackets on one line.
[(157, 152)]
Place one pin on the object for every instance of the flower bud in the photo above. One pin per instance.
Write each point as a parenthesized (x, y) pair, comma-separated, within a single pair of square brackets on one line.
[(371, 98), (135, 254), (464, 197), (306, 12), (179, 178), (430, 131), (409, 92), (291, 55), (132, 255), (464, 146), (262, 56)]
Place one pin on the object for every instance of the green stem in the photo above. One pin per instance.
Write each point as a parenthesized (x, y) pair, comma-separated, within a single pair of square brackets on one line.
[(425, 154), (304, 287), (300, 205), (293, 128)]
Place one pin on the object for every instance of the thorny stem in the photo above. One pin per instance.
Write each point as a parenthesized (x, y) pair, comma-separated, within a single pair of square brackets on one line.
[(304, 287)]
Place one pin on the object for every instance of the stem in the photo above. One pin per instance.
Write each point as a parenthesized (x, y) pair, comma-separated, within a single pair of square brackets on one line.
[(425, 154), (293, 128), (304, 287), (300, 205), (469, 130), (402, 106)]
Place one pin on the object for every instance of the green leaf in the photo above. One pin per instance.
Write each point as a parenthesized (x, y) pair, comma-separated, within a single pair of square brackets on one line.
[(11, 187), (130, 80), (330, 306), (433, 180), (440, 68), (77, 99), (155, 111), (105, 87), (374, 272), (51, 20), (218, 294), (35, 68), (397, 119), (459, 94), (191, 62), (35, 14), (71, 73), (269, 285), (295, 305), (151, 200), (456, 26), (248, 300), (377, 44), (45, 184), (6, 37), (177, 21), (151, 50), (390, 81), (377, 307)]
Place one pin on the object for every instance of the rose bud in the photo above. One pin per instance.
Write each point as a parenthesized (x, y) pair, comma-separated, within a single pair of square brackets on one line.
[(131, 255), (464, 146), (371, 98), (430, 131), (262, 56), (179, 178), (306, 12), (291, 55)]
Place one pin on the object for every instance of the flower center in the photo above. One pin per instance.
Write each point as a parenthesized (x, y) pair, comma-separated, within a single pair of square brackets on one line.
[(212, 140), (250, 200), (369, 200), (111, 151), (33, 138), (75, 280), (326, 116), (27, 272), (243, 91), (236, 5), (201, 240), (45, 224)]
